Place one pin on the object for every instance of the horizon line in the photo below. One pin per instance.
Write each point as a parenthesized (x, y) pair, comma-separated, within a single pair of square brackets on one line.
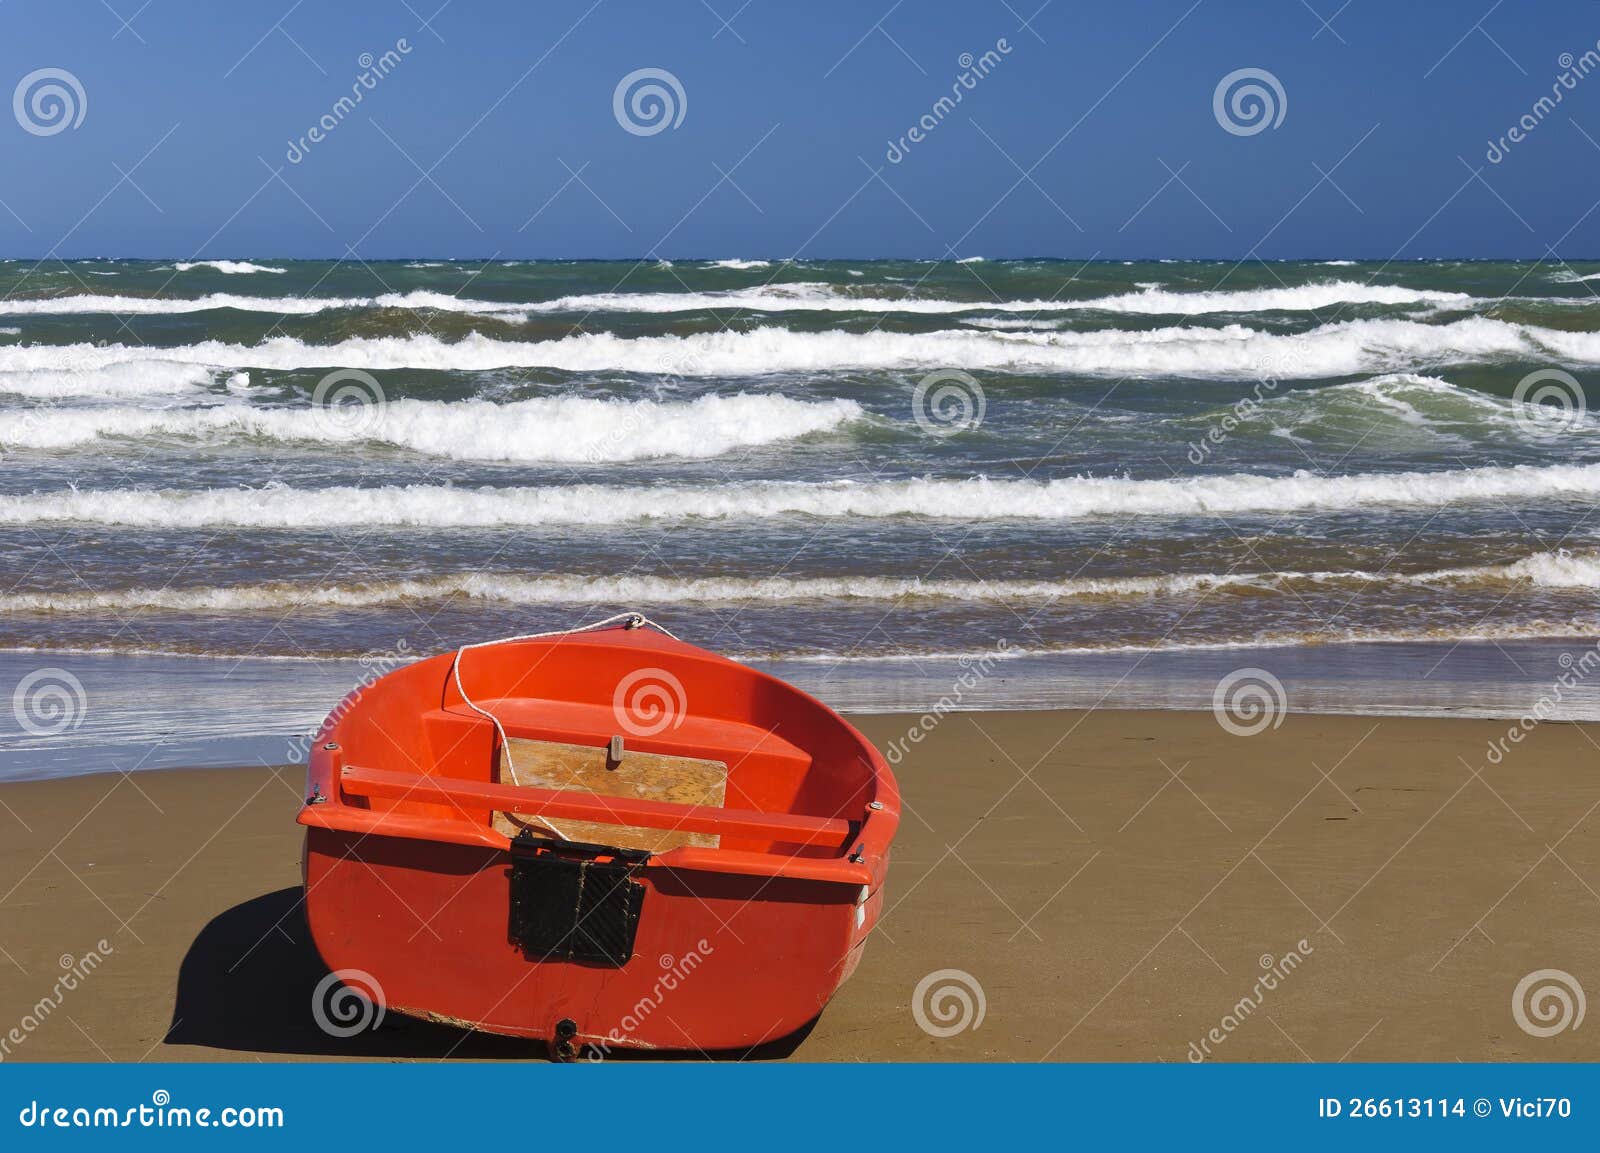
[(256, 257)]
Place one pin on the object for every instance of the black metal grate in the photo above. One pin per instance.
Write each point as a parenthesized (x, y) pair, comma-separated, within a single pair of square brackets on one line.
[(567, 904)]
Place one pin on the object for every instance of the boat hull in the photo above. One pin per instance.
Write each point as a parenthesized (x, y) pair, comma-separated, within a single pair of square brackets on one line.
[(418, 895), (720, 961)]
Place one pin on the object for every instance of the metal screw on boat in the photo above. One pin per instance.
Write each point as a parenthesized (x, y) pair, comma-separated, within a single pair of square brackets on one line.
[(331, 746), (875, 806)]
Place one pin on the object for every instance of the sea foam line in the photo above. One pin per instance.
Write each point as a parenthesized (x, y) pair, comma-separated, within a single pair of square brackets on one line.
[(802, 297), (123, 305), (1543, 570), (1233, 351), (1580, 629), (137, 378), (226, 267), (977, 499), (563, 429)]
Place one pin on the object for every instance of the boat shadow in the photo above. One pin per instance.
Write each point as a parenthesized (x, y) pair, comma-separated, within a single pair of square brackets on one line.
[(250, 981)]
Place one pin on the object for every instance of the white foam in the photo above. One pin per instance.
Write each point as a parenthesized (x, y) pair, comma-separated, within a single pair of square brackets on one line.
[(1229, 352), (1300, 298), (740, 265), (427, 506), (1569, 276), (589, 589), (1150, 300), (1549, 570), (802, 297), (1400, 383), (116, 304), (559, 429), (138, 378), (1427, 403), (1012, 323), (1559, 569), (10, 332), (111, 303), (226, 267)]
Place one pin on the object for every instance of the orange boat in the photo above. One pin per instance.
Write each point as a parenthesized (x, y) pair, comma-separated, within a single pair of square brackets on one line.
[(604, 838)]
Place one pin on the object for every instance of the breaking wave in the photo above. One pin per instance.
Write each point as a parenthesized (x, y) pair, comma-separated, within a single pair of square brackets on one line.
[(1230, 352), (115, 304), (557, 429), (141, 378), (1545, 570), (1428, 404), (804, 297), (979, 499), (227, 267)]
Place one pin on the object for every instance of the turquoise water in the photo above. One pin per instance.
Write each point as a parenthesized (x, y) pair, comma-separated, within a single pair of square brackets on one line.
[(839, 460)]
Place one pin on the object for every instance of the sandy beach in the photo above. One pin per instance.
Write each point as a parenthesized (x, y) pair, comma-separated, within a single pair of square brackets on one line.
[(1121, 886)]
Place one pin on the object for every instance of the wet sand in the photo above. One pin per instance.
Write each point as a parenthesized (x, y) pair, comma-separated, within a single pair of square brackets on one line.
[(1139, 886)]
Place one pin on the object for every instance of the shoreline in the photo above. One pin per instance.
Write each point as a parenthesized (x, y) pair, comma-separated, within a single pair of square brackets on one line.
[(1111, 880), (263, 711)]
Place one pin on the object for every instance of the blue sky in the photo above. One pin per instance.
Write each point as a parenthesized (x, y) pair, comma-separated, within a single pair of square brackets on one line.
[(1094, 135)]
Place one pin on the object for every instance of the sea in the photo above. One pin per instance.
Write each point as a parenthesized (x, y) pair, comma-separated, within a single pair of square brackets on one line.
[(230, 489)]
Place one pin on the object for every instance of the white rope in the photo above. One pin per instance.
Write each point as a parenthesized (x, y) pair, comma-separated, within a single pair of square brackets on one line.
[(632, 620)]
